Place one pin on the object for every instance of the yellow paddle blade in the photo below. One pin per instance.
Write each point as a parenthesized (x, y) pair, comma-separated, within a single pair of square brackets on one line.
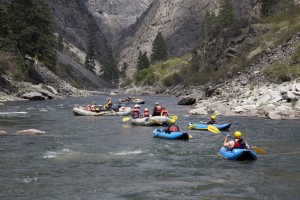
[(191, 126), (125, 119), (190, 136), (258, 150), (174, 117), (213, 129)]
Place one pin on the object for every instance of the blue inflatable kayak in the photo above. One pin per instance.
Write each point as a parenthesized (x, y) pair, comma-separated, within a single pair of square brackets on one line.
[(238, 154), (195, 126), (159, 133)]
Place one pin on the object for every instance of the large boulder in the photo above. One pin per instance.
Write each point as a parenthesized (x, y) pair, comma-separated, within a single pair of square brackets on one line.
[(187, 101), (33, 96)]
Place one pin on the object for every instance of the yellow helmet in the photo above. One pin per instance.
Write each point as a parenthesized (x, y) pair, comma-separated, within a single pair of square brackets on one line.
[(173, 121), (237, 134), (213, 117)]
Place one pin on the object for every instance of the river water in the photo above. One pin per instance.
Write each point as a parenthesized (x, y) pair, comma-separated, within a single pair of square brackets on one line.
[(84, 157)]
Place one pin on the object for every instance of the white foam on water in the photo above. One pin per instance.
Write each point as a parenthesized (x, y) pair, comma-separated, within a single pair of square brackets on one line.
[(125, 153), (12, 113), (55, 154), (29, 179)]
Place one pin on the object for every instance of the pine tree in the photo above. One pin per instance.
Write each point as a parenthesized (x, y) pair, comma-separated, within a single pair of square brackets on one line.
[(210, 23), (143, 61), (91, 47), (124, 68), (110, 70), (226, 15), (159, 50), (4, 26), (60, 43), (32, 30)]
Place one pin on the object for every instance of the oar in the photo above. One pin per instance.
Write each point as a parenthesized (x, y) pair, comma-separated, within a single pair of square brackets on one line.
[(158, 122), (125, 119), (174, 117), (191, 126), (214, 129)]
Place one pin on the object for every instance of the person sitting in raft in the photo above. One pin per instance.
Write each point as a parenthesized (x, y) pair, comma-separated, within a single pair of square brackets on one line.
[(109, 104), (237, 143), (212, 120), (173, 127), (165, 112), (128, 98), (146, 112), (135, 112), (91, 107), (157, 110)]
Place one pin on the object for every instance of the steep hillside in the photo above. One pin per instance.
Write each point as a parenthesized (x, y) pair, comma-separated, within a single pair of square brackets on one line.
[(179, 22)]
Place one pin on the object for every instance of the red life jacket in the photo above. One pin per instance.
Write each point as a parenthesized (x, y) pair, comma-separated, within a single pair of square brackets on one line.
[(88, 107), (173, 128), (238, 145), (158, 109), (135, 112), (93, 107), (165, 112), (146, 113)]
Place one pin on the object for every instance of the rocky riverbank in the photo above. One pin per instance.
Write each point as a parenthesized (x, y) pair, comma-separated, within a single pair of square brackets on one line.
[(50, 86), (237, 98), (248, 93)]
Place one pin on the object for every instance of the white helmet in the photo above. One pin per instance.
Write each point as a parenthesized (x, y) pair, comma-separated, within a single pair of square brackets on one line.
[(146, 109), (156, 103), (136, 105)]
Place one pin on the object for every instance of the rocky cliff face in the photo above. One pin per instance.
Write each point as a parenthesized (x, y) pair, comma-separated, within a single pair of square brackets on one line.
[(108, 18), (131, 26), (179, 21)]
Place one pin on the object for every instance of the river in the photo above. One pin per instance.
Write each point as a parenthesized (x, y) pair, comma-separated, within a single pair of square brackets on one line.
[(84, 157)]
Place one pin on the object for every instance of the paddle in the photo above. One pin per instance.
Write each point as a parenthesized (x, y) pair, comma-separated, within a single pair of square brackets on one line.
[(158, 122), (191, 126), (214, 129), (125, 119), (174, 117)]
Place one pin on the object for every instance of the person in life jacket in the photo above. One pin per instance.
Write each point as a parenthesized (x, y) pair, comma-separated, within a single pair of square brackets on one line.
[(237, 143), (109, 104), (91, 107), (165, 112), (146, 112), (212, 120), (172, 127), (157, 110), (135, 112)]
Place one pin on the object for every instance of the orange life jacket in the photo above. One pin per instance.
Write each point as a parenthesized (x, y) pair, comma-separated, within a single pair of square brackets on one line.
[(165, 112), (173, 128), (135, 112), (158, 109), (146, 113)]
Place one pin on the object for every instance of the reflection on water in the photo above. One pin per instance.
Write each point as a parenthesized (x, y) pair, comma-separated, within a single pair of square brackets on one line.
[(106, 158)]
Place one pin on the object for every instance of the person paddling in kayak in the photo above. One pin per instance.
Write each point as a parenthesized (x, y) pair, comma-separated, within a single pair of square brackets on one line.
[(237, 143), (212, 120), (173, 127)]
